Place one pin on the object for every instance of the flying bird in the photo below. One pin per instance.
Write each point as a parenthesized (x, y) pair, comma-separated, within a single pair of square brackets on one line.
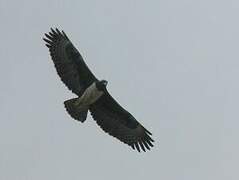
[(92, 94)]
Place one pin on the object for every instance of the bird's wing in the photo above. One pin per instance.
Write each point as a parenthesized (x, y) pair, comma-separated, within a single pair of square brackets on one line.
[(118, 122), (68, 62)]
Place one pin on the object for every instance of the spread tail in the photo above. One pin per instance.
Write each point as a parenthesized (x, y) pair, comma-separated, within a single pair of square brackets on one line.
[(74, 111)]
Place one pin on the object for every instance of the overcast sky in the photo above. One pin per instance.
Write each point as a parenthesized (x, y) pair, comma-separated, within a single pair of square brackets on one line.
[(173, 64)]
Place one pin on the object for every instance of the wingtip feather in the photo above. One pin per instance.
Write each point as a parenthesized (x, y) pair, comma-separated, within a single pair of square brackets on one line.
[(141, 145), (137, 147)]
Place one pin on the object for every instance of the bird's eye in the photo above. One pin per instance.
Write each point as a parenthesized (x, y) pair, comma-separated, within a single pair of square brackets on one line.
[(105, 83)]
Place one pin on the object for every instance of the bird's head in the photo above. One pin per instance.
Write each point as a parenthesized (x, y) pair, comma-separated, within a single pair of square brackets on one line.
[(101, 85)]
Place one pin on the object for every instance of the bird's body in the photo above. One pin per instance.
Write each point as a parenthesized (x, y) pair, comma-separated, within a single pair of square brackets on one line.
[(90, 95), (78, 107), (93, 95)]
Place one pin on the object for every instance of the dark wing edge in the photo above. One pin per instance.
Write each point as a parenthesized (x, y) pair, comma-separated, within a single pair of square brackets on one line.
[(119, 123), (68, 62)]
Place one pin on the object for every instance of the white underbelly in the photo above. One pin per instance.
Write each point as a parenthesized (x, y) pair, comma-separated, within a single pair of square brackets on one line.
[(90, 95)]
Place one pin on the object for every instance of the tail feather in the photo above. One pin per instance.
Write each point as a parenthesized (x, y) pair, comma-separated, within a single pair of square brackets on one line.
[(74, 111)]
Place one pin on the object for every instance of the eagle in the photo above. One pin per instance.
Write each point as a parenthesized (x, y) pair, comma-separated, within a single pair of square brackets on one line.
[(92, 94)]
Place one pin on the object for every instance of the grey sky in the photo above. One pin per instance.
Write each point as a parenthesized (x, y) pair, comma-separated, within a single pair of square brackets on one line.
[(173, 64)]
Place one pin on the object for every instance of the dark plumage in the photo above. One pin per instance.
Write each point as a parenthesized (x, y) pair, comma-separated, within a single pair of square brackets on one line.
[(93, 95)]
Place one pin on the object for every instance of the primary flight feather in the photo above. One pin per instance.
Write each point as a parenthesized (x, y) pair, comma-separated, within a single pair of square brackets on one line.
[(93, 95)]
